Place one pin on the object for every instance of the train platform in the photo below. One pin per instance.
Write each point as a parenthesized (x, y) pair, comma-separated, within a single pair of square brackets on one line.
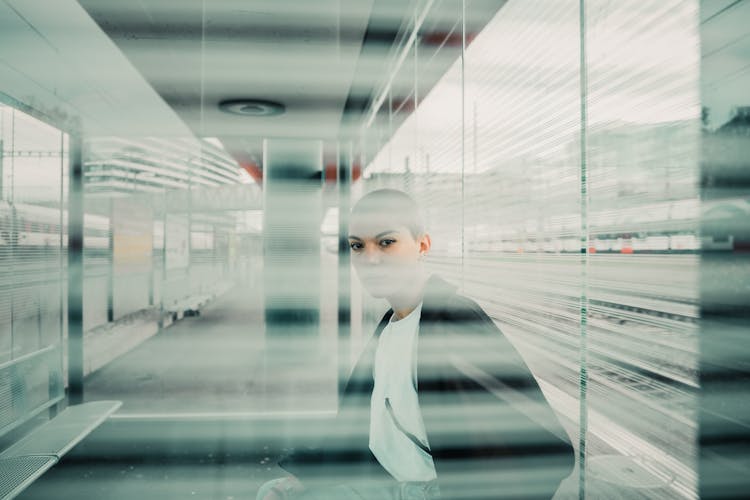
[(204, 410), (214, 364)]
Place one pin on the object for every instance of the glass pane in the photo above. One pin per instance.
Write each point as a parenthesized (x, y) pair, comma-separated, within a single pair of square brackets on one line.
[(580, 168), (498, 187), (642, 141), (725, 238), (31, 267), (522, 199)]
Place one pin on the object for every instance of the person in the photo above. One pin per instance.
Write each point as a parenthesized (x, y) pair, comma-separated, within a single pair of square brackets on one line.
[(439, 404)]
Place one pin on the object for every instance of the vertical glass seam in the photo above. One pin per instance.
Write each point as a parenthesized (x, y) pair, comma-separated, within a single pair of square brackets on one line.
[(60, 267), (582, 420), (13, 230), (463, 143)]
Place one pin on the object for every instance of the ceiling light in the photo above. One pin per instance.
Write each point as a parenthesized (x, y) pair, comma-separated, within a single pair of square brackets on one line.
[(252, 107)]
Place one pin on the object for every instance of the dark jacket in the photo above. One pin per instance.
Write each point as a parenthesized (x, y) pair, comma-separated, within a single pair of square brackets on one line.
[(491, 432)]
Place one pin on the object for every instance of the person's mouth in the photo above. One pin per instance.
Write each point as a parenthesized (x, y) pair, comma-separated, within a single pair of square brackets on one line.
[(375, 280)]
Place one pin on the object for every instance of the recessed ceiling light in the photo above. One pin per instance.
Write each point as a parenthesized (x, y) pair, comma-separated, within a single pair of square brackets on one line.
[(252, 107)]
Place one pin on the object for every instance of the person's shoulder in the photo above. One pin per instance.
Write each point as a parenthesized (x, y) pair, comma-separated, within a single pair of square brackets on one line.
[(468, 310), (444, 297), (464, 302)]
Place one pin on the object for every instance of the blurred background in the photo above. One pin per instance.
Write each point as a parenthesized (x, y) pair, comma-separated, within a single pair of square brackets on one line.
[(175, 183)]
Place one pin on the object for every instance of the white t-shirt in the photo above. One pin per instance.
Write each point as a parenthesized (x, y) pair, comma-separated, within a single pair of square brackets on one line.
[(395, 380)]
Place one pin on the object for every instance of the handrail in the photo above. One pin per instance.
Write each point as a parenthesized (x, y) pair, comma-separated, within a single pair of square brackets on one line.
[(26, 357)]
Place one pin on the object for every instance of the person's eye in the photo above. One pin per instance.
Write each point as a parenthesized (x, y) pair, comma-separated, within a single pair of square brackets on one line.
[(387, 242), (355, 246)]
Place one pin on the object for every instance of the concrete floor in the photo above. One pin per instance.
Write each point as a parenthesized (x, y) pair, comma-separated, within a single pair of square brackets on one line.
[(207, 408), (221, 362), (201, 479)]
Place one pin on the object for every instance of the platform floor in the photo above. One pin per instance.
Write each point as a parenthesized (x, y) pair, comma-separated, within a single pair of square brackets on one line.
[(202, 479), (205, 405), (221, 362)]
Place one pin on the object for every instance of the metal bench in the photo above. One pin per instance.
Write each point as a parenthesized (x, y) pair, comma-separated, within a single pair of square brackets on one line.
[(35, 453), (189, 306)]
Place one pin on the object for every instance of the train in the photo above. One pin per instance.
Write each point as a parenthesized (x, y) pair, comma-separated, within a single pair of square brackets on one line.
[(30, 225)]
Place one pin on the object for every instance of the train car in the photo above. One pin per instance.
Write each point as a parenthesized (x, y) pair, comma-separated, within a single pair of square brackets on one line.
[(36, 226)]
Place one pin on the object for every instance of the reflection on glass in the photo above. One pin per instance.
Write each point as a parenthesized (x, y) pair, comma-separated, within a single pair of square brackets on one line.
[(581, 169), (725, 237), (32, 251), (522, 223)]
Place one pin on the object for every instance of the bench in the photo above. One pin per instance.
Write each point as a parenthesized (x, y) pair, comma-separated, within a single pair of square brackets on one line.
[(30, 457), (190, 306)]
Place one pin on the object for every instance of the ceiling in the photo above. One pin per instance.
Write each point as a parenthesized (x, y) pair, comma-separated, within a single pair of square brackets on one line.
[(305, 55), (196, 54), (325, 61), (130, 67)]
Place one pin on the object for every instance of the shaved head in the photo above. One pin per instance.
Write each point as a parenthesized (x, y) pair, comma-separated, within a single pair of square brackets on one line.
[(388, 241), (391, 204)]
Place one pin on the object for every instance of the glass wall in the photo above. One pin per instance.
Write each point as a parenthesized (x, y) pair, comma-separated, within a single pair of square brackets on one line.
[(557, 165), (581, 165), (642, 146), (164, 226), (33, 167), (725, 238)]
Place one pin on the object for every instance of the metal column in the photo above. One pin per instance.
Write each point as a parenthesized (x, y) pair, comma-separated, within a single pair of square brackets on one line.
[(292, 213), (343, 182), (75, 271)]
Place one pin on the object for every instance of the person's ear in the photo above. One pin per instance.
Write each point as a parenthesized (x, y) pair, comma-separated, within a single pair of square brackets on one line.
[(424, 244)]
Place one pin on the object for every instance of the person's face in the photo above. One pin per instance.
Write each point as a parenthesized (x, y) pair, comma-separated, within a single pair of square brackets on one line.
[(385, 254)]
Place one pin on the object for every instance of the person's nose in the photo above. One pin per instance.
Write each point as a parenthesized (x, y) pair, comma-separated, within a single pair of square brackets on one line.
[(372, 255)]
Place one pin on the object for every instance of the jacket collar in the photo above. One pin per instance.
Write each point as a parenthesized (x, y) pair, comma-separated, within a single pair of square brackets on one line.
[(435, 299), (437, 296), (435, 307)]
